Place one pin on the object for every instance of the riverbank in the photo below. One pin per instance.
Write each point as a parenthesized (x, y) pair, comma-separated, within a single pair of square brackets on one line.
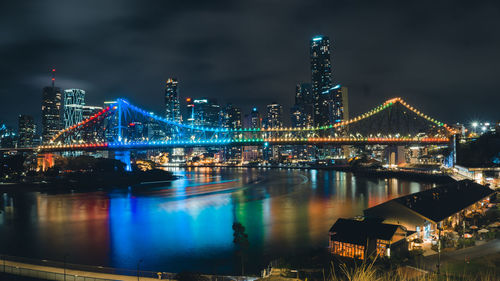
[(88, 181), (357, 171)]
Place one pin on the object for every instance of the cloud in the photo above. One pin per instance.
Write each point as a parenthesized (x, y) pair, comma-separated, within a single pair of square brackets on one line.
[(253, 52)]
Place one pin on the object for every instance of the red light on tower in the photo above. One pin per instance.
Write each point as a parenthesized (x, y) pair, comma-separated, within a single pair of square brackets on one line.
[(53, 70)]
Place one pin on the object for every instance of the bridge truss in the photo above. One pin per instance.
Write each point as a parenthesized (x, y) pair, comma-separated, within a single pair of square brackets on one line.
[(123, 125)]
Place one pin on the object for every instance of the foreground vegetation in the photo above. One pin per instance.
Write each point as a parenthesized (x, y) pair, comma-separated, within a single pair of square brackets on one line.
[(369, 272)]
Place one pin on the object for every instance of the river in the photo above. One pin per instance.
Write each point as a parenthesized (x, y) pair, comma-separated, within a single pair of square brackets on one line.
[(186, 224)]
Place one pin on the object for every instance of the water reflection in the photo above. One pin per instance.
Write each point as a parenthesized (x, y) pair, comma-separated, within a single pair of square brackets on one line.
[(186, 225)]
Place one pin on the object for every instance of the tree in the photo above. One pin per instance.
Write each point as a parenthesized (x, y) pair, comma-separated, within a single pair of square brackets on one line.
[(240, 239)]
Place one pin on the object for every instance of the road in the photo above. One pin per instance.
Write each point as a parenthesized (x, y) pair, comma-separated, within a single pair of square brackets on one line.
[(489, 248)]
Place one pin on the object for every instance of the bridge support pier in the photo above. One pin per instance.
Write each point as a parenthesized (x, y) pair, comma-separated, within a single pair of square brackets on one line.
[(44, 161), (395, 155), (123, 156)]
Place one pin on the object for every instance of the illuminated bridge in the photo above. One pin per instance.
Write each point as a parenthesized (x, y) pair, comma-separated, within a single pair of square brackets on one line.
[(124, 126)]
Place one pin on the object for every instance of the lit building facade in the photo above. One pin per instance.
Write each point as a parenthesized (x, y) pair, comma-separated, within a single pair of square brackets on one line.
[(26, 131), (231, 116), (89, 110), (172, 103), (51, 111), (321, 80), (337, 98), (252, 120), (203, 112), (302, 110), (74, 100), (274, 114)]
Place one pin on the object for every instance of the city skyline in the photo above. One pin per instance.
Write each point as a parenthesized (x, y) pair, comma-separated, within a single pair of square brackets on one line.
[(206, 65)]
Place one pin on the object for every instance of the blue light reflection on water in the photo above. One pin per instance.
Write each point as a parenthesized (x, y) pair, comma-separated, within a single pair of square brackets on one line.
[(186, 225)]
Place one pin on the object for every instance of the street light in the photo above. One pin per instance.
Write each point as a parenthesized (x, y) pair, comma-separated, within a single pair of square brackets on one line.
[(65, 257), (474, 125), (439, 249), (138, 264)]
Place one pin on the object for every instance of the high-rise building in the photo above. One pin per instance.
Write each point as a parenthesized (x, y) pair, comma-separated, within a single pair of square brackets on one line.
[(231, 119), (203, 112), (91, 135), (26, 131), (74, 102), (274, 113), (321, 80), (338, 104), (302, 110), (231, 116), (7, 137), (172, 103), (345, 102), (51, 111), (253, 120), (90, 110)]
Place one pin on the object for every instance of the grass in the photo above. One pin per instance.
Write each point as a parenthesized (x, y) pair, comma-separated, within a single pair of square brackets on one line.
[(485, 264), (475, 271)]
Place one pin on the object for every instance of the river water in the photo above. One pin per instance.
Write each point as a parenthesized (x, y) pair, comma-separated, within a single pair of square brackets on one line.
[(186, 224)]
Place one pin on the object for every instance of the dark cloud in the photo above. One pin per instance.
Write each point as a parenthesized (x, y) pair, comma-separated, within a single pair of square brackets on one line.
[(441, 56)]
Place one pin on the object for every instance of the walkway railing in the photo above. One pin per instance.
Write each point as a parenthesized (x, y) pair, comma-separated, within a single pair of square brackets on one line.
[(82, 267), (27, 272)]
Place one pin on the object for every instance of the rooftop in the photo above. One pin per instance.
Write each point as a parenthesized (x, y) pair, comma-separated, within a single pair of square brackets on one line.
[(443, 201), (357, 232)]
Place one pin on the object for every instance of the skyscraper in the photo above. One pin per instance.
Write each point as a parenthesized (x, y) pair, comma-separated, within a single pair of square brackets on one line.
[(338, 104), (321, 80), (51, 111), (89, 110), (96, 135), (203, 112), (73, 102), (172, 104), (253, 120), (302, 110), (274, 113), (231, 117), (26, 131)]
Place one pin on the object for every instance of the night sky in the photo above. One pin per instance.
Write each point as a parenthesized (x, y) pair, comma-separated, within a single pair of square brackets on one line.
[(443, 57)]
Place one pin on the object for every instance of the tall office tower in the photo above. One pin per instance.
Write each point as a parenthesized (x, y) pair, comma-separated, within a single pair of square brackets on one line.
[(203, 112), (321, 80), (253, 120), (51, 111), (26, 131), (7, 137), (172, 103), (345, 102), (302, 110), (74, 100), (338, 104), (90, 110), (231, 116), (231, 119), (274, 113), (96, 135)]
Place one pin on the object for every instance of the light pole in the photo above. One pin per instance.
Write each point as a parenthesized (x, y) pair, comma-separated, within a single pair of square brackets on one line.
[(439, 250), (65, 257), (138, 265), (474, 125)]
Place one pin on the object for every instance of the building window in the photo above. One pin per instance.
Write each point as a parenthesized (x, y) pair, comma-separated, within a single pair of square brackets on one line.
[(381, 247), (347, 250)]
